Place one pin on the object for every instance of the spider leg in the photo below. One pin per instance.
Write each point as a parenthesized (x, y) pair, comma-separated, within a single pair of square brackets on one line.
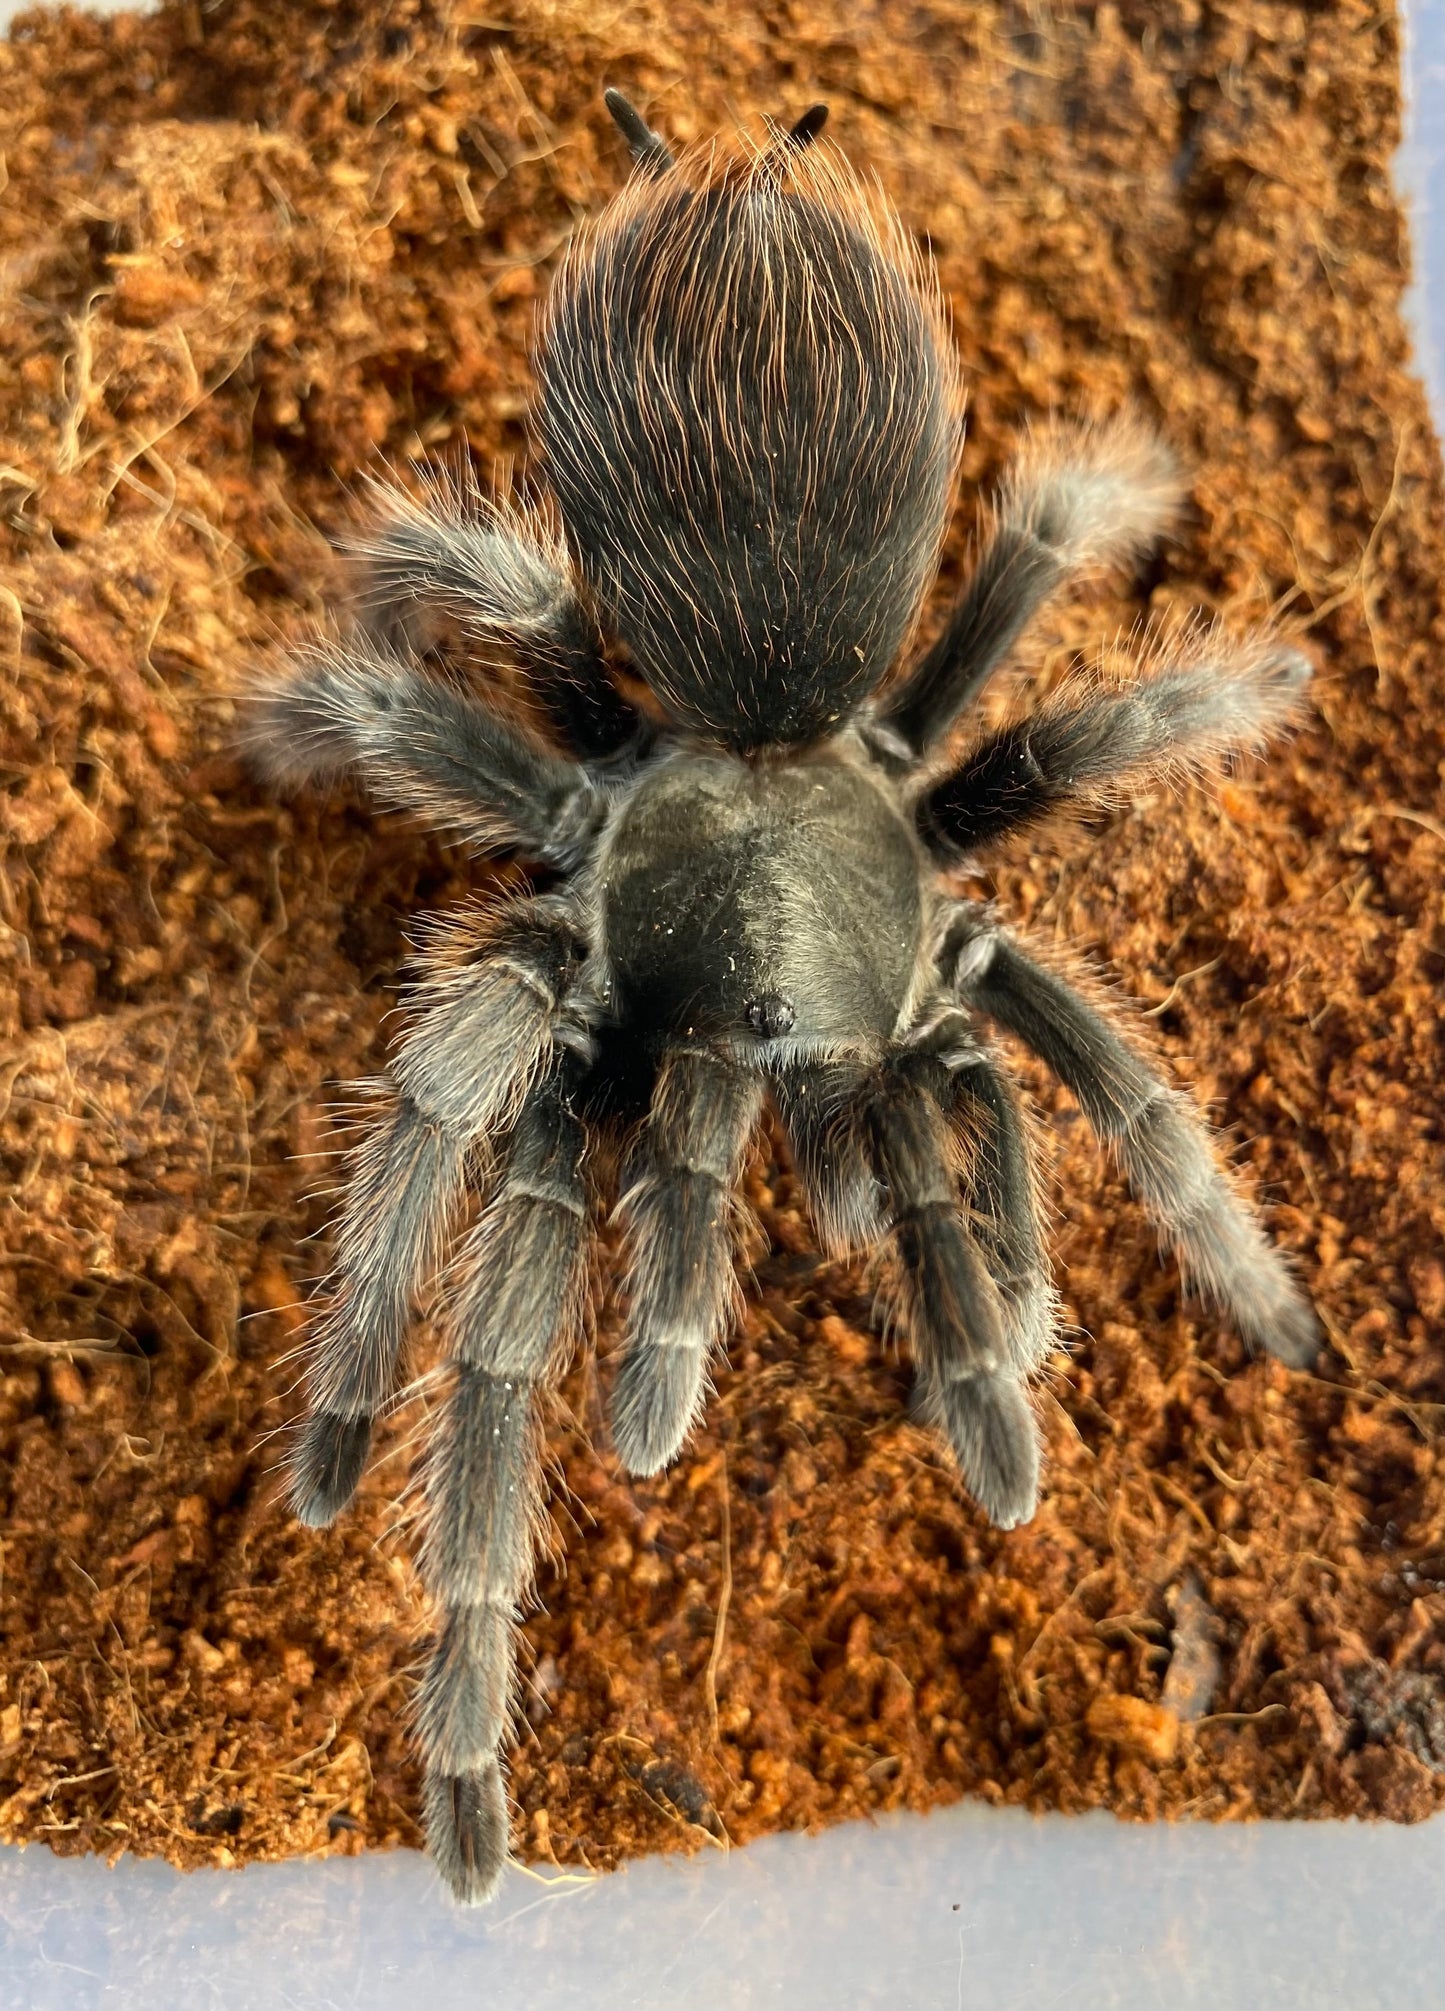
[(647, 148), (1223, 695), (1003, 1199), (872, 1149), (680, 1207), (952, 1308), (484, 1032), (1076, 499), (514, 1321), (422, 745), (1163, 1147), (505, 576), (819, 1105)]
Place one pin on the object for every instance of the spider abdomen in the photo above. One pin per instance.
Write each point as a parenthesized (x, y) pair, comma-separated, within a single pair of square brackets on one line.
[(755, 904), (748, 407)]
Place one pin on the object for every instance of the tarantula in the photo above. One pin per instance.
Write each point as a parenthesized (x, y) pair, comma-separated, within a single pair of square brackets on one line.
[(749, 419)]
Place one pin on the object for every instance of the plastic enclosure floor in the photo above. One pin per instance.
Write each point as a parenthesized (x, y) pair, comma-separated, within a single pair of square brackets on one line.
[(970, 1907)]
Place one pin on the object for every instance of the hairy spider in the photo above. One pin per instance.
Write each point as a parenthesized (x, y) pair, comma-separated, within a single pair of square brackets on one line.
[(749, 417)]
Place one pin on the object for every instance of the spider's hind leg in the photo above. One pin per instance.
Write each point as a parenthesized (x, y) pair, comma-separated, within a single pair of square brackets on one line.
[(1077, 498), (503, 574)]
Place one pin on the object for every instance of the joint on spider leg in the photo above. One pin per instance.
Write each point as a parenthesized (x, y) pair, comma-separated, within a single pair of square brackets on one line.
[(890, 747), (578, 819), (487, 1026), (939, 1046), (967, 946)]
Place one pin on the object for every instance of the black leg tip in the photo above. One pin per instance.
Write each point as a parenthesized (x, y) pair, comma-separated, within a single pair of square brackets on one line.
[(327, 1466), (466, 1831), (625, 115), (1292, 1334)]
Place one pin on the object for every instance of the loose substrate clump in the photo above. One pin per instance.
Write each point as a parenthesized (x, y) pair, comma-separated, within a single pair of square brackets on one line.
[(252, 252)]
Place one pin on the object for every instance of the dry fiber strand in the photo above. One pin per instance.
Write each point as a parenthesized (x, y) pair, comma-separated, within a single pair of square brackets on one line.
[(250, 251)]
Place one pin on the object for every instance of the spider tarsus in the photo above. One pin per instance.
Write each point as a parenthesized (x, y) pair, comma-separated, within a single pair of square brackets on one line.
[(654, 1402), (1291, 1332), (327, 1466), (1095, 493), (467, 1831), (1288, 668), (991, 1428)]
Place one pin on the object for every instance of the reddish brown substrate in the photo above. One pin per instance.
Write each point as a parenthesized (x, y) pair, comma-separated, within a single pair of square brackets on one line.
[(249, 248)]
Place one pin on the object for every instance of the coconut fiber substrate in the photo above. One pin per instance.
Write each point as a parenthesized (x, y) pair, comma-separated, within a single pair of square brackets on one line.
[(250, 251)]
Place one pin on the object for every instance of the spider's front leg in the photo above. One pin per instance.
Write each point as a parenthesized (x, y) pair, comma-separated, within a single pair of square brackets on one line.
[(514, 1321), (1163, 1147), (1002, 1194), (492, 1011), (874, 1153), (680, 1207)]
